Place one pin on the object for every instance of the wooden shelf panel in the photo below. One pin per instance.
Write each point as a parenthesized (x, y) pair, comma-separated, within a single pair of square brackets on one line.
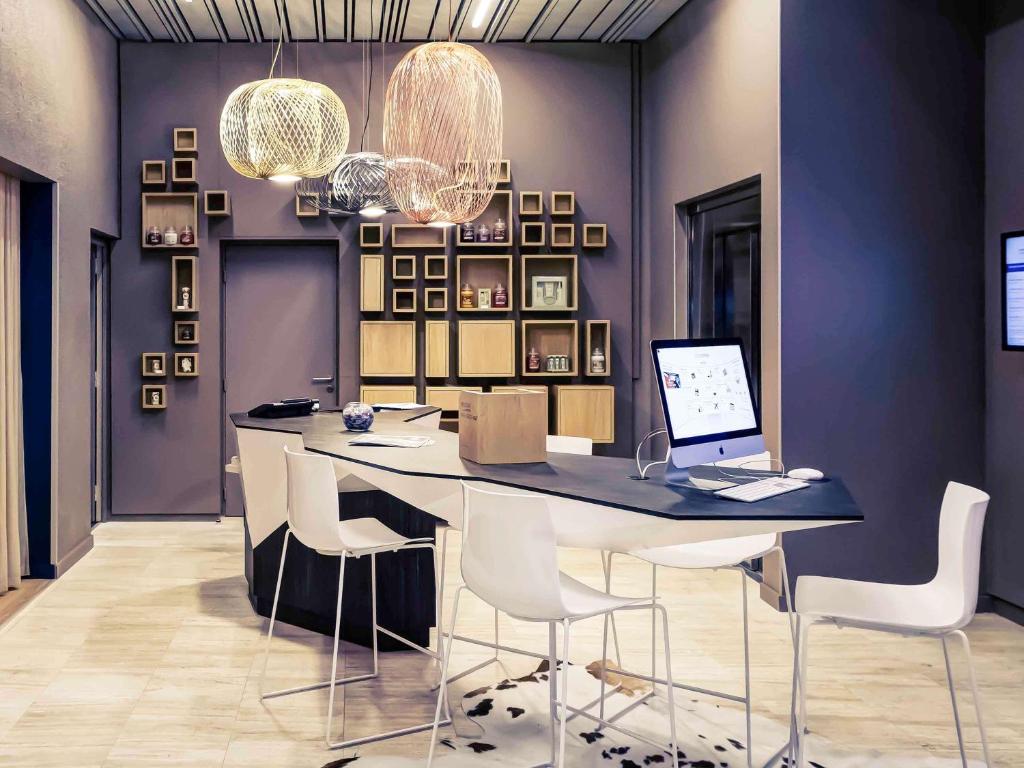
[(169, 209), (371, 235), (563, 235), (500, 206), (184, 171), (387, 393), (403, 267), (387, 348), (487, 348), (217, 202), (532, 234), (186, 140), (436, 353), (598, 335), (184, 283), (483, 271), (585, 411), (403, 300), (550, 337), (149, 403), (435, 299), (435, 266), (418, 236), (595, 235), (563, 203), (531, 203), (548, 296), (446, 398), (371, 282), (154, 172)]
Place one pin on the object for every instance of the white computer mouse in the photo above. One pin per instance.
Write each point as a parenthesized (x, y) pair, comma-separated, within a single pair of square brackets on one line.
[(805, 473)]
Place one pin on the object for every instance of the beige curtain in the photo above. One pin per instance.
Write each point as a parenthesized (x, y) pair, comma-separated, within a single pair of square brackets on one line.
[(13, 518)]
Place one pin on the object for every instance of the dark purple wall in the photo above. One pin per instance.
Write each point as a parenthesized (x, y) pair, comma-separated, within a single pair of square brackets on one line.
[(567, 126), (882, 298)]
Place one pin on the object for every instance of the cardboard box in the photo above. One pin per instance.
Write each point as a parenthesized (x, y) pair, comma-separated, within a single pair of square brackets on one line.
[(503, 427)]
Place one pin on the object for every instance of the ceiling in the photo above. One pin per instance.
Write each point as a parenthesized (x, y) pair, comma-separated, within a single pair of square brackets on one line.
[(187, 21)]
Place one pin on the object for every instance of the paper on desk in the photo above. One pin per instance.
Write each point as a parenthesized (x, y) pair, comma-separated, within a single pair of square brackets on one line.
[(397, 406), (392, 441)]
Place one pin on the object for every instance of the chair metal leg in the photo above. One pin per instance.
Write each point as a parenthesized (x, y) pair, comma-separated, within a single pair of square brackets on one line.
[(334, 656), (564, 701), (801, 684), (674, 744), (952, 698), (442, 692), (746, 670), (607, 564), (373, 612), (553, 688), (976, 695), (273, 611)]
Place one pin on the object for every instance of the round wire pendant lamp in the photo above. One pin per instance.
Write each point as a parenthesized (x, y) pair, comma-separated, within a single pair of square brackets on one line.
[(360, 184), (283, 129), (442, 133)]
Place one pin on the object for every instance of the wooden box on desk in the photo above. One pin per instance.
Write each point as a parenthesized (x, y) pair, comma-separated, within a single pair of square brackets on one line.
[(503, 427)]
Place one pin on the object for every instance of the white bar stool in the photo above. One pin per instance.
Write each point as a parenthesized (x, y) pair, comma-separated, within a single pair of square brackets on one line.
[(313, 518)]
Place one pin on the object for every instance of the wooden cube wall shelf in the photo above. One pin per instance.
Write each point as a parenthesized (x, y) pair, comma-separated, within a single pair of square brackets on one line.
[(505, 172), (487, 348), (186, 140), (435, 267), (483, 272), (387, 393), (403, 267), (435, 299), (305, 207), (217, 202), (447, 399), (598, 335), (371, 235), (371, 282), (186, 364), (551, 337), (563, 235), (418, 236), (436, 349), (149, 403), (169, 209), (585, 411), (563, 203), (387, 348), (184, 274), (500, 207), (403, 300), (186, 332), (183, 170), (531, 203), (532, 233), (154, 364), (595, 235), (154, 172), (549, 265)]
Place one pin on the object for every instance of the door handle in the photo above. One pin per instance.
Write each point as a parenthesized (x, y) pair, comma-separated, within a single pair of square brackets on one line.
[(323, 379)]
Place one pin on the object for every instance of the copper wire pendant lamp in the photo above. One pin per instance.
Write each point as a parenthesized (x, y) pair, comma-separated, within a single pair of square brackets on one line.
[(442, 133)]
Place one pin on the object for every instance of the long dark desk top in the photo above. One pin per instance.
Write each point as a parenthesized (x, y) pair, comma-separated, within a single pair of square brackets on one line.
[(593, 479)]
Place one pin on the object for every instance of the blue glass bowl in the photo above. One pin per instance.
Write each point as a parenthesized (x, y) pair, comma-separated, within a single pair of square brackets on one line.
[(358, 417)]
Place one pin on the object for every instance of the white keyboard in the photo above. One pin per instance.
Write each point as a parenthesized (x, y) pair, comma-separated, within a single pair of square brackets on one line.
[(762, 489)]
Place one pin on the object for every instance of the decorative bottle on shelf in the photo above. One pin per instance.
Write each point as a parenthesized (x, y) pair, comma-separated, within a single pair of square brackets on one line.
[(500, 231), (187, 236), (185, 298), (466, 297), (154, 397), (468, 232), (153, 236), (499, 298), (533, 360), (597, 361), (483, 234), (170, 236)]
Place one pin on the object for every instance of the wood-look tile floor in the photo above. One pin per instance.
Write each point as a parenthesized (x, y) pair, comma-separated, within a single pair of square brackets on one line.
[(147, 654)]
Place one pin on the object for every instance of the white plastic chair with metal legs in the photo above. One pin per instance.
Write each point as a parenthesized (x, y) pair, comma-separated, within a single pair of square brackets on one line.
[(510, 561), (939, 609), (313, 518)]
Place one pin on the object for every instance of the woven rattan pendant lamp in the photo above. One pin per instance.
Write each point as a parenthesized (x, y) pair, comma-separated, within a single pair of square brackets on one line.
[(442, 133)]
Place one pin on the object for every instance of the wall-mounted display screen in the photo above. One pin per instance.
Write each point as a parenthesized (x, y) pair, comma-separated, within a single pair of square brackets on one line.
[(1013, 290)]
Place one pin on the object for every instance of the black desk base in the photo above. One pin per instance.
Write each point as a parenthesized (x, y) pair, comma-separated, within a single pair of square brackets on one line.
[(309, 588)]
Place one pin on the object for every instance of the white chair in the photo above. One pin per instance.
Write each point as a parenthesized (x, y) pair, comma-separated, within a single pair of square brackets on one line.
[(313, 518), (582, 446), (939, 609), (510, 561)]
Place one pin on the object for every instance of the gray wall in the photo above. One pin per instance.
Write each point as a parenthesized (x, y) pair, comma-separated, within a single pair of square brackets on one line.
[(567, 126), (58, 119), (882, 295), (1004, 211)]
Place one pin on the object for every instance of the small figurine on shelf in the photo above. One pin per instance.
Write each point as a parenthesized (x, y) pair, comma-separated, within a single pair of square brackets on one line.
[(483, 298), (188, 236), (500, 231), (533, 360), (170, 236), (468, 232), (500, 297), (597, 361), (153, 236), (154, 397), (483, 234), (466, 297), (156, 367), (186, 365), (185, 297)]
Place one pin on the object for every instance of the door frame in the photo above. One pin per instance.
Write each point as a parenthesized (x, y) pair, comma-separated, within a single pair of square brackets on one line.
[(100, 247), (225, 245)]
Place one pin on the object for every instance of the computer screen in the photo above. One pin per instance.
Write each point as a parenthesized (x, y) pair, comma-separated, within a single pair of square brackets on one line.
[(705, 390), (1013, 290)]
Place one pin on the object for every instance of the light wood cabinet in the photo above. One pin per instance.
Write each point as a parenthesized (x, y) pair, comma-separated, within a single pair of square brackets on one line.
[(436, 352), (387, 348), (387, 393), (446, 398), (585, 411), (598, 336), (487, 348), (371, 276)]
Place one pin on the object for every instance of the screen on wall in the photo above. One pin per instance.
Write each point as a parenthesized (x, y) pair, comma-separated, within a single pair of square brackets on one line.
[(1013, 290)]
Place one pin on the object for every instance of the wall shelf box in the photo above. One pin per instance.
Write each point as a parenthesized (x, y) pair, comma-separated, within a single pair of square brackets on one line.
[(186, 140), (487, 348), (531, 203), (169, 209), (595, 235), (305, 207), (387, 348), (387, 393), (552, 266), (183, 170), (483, 271), (447, 399), (403, 300), (563, 203), (403, 267), (436, 349), (186, 364), (186, 332), (216, 202), (435, 299), (532, 234), (585, 411), (371, 282), (154, 364), (551, 337), (598, 334), (154, 172), (543, 388), (435, 267), (371, 235), (418, 236), (563, 235), (500, 206), (184, 293), (151, 402), (505, 172)]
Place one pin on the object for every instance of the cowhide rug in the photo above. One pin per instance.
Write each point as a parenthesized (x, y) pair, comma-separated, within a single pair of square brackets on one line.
[(508, 725)]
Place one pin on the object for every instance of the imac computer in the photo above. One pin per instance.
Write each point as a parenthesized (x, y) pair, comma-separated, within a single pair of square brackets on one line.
[(710, 411)]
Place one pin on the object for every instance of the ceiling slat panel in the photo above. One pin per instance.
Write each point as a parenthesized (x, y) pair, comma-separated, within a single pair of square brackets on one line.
[(418, 18), (121, 20), (197, 16), (552, 26), (522, 18), (335, 13), (579, 18), (657, 16), (605, 19), (301, 19), (267, 16), (232, 18)]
